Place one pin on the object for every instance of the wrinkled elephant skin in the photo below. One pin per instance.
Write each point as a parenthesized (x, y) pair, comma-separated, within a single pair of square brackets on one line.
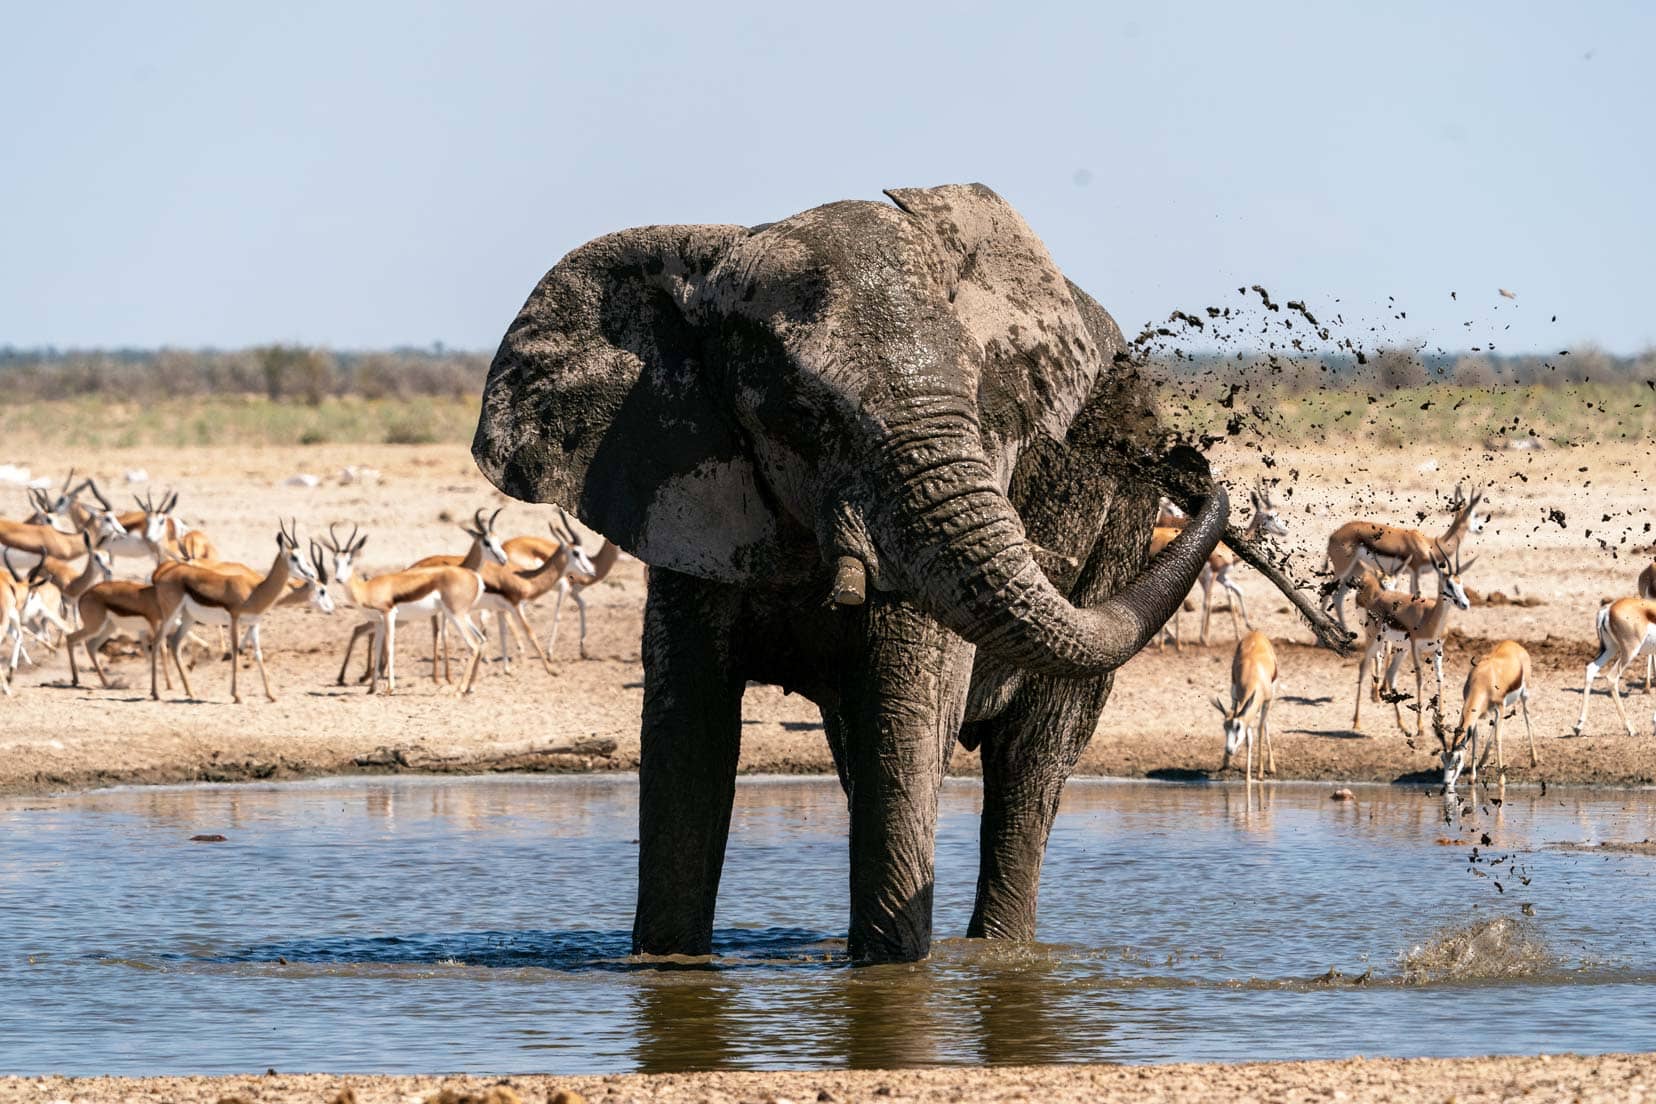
[(749, 411)]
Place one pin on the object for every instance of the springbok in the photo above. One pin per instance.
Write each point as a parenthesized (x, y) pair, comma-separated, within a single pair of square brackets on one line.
[(1391, 549), (111, 605), (15, 596), (1625, 627), (507, 591), (449, 592), (583, 573), (35, 607), (53, 601), (220, 594), (164, 536), (306, 589), (30, 543), (1253, 688), (1266, 521), (142, 530), (1412, 625), (485, 548), (14, 600), (1498, 679), (56, 511)]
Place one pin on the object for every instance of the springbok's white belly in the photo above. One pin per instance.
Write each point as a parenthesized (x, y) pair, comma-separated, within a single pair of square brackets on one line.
[(213, 615), (430, 605), (126, 623)]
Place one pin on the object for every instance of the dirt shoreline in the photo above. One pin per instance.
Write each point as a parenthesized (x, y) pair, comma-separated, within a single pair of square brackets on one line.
[(1620, 1078)]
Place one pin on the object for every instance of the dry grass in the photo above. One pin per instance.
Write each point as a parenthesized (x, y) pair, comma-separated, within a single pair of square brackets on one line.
[(96, 423)]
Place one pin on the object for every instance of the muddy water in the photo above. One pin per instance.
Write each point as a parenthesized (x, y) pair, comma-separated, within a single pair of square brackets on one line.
[(406, 924)]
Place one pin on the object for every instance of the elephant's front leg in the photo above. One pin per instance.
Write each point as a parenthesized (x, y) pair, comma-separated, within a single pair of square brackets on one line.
[(687, 769), (1028, 751), (903, 698)]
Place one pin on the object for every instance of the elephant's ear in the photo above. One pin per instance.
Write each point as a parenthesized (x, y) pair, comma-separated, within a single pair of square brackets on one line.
[(597, 400), (1040, 358)]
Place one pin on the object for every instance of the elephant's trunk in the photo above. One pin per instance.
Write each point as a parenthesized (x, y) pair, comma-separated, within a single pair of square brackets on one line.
[(963, 549)]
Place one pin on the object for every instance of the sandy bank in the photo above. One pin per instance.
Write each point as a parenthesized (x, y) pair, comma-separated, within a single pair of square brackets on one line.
[(1620, 1078)]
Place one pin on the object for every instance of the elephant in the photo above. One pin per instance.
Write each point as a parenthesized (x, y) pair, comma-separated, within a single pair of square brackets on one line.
[(869, 453)]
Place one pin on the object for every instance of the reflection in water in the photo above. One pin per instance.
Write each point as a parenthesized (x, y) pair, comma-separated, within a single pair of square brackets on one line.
[(406, 924), (1019, 1013), (686, 1023)]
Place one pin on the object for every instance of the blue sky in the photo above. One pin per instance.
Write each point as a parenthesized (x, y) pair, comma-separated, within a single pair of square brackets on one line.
[(371, 174)]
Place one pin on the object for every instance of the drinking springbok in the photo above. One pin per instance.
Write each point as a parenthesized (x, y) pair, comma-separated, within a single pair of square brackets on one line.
[(1498, 679), (1253, 689)]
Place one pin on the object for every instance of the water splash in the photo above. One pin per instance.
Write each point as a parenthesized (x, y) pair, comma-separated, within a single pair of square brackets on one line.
[(1484, 949)]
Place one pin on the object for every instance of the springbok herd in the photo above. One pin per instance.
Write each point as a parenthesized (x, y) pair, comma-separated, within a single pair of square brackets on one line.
[(59, 588), (59, 591), (1362, 557)]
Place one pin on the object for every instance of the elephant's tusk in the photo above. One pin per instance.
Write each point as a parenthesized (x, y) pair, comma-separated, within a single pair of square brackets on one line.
[(850, 582)]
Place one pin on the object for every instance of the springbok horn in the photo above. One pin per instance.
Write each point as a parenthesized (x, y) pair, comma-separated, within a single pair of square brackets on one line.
[(574, 537), (5, 554), (172, 501)]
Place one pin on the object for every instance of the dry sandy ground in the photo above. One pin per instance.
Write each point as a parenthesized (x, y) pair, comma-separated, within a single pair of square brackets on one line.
[(1623, 1079), (1160, 722)]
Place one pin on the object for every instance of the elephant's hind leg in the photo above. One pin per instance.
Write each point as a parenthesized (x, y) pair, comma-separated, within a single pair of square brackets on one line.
[(1028, 754), (687, 769)]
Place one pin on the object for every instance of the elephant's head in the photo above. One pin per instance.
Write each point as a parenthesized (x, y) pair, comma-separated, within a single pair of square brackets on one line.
[(858, 380)]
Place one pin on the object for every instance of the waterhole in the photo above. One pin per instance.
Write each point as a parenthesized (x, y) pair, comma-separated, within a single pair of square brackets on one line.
[(403, 925)]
